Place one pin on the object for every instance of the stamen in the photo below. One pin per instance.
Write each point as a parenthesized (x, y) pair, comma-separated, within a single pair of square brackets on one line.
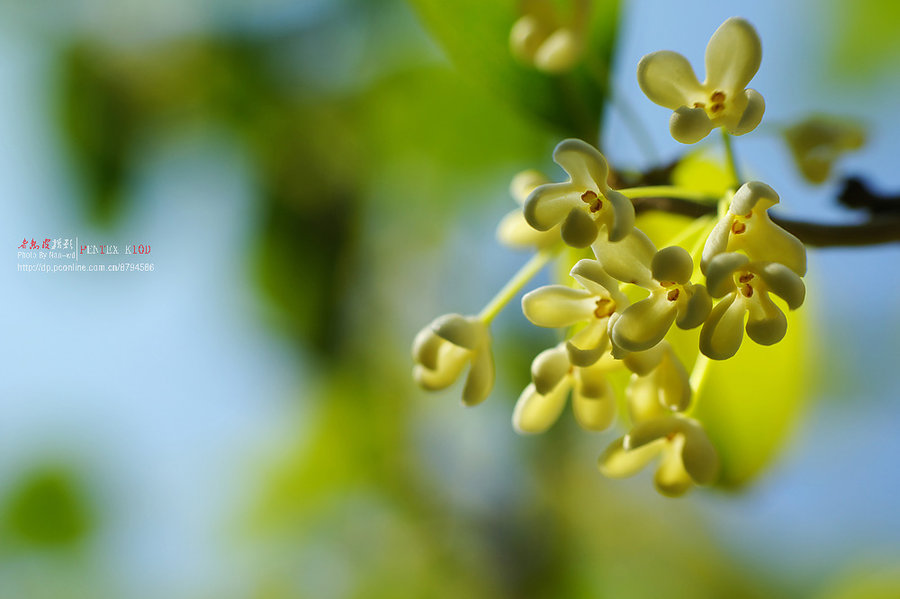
[(699, 105), (717, 107), (738, 227), (746, 278), (592, 200), (746, 290), (671, 436), (717, 96), (673, 295), (605, 307)]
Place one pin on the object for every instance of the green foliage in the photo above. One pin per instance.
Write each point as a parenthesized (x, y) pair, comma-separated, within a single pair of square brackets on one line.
[(475, 35), (48, 509), (867, 41)]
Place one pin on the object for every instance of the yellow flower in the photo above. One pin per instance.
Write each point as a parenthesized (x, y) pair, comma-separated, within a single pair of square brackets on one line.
[(539, 39), (554, 376), (820, 140), (687, 455), (556, 306), (746, 227), (733, 56), (513, 230), (673, 299), (745, 287), (584, 205), (442, 350)]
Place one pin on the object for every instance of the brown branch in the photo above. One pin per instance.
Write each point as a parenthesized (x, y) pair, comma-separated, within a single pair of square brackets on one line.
[(875, 231)]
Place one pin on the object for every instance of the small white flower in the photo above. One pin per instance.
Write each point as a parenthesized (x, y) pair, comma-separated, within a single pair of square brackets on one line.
[(687, 455), (442, 350), (673, 299), (745, 287), (539, 39), (554, 376), (584, 205), (513, 231), (733, 56), (817, 142), (555, 306), (747, 227), (659, 379)]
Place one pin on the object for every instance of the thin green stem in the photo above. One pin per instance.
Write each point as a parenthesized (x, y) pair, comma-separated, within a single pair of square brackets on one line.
[(730, 158), (689, 231), (698, 378), (515, 284), (667, 191)]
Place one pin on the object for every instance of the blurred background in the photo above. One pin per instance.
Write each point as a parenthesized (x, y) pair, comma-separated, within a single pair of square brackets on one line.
[(318, 179)]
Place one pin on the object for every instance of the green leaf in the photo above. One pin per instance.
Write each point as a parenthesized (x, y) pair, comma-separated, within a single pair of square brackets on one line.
[(475, 35), (750, 403)]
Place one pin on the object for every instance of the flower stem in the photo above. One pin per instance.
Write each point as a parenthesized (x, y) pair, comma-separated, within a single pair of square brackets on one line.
[(668, 191), (698, 377), (515, 284), (730, 158)]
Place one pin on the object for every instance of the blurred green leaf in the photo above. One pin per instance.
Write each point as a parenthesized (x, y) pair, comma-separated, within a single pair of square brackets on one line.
[(750, 403), (48, 509), (475, 35), (867, 40)]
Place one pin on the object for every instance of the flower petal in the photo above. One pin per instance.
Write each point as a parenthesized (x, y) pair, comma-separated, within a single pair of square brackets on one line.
[(764, 241), (689, 125), (586, 166), (548, 205), (784, 283), (481, 376), (733, 56), (672, 264), (668, 79), (535, 413), (450, 363), (591, 275), (767, 324), (753, 195), (617, 462), (627, 260), (643, 397), (426, 347), (674, 383), (642, 363), (671, 478), (652, 430), (644, 324), (723, 332), (460, 330), (699, 456), (588, 344), (558, 53), (514, 232), (594, 413), (524, 183), (716, 243), (555, 306), (694, 312), (720, 272), (549, 368), (579, 229), (526, 36), (621, 222), (753, 113)]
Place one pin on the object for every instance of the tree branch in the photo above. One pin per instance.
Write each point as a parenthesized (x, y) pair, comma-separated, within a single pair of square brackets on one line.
[(876, 230)]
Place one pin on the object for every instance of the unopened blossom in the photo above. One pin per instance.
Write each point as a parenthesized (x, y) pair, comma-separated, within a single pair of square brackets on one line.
[(746, 227), (538, 38), (554, 379), (443, 349), (584, 205), (733, 56), (744, 287), (673, 299), (556, 306), (513, 230), (819, 140), (687, 457)]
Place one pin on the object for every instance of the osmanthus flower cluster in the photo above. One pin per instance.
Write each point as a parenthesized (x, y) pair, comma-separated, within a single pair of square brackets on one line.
[(623, 296)]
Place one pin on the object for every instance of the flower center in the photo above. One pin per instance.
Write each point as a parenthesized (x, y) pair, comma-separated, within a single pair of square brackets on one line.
[(605, 307), (743, 284), (716, 104), (593, 201)]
